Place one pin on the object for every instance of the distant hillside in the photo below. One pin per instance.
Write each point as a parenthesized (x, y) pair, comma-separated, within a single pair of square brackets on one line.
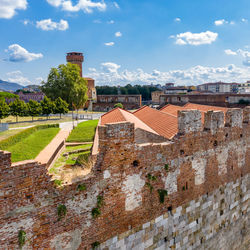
[(10, 86)]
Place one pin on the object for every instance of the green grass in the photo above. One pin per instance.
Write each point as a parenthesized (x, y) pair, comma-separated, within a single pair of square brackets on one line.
[(84, 132), (29, 147), (62, 160), (72, 148), (6, 134)]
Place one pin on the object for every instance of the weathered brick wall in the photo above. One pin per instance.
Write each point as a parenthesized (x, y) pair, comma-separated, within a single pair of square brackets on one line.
[(206, 175)]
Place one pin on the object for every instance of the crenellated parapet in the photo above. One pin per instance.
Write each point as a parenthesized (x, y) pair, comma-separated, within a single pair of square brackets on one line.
[(190, 189)]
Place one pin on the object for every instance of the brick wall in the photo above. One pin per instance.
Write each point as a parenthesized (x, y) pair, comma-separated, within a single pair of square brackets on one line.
[(205, 173)]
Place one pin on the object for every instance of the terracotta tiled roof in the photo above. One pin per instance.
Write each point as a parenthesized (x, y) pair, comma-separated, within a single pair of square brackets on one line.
[(164, 124), (121, 115), (171, 109), (112, 116), (204, 108)]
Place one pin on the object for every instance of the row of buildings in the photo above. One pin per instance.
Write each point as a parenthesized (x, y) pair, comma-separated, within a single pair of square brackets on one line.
[(218, 93)]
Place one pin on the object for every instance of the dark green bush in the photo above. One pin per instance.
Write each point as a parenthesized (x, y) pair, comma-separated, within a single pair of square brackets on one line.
[(61, 211), (21, 238)]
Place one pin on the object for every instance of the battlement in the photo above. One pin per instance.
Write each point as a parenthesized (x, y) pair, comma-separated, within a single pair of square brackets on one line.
[(191, 188)]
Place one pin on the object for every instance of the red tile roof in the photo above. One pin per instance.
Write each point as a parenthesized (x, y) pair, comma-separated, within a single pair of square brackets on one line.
[(171, 109), (164, 124), (204, 108), (121, 115)]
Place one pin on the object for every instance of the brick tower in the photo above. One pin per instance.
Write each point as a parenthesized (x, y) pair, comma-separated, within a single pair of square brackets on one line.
[(75, 58)]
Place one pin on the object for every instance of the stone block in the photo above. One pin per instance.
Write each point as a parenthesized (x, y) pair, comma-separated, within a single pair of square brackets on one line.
[(214, 120), (189, 121), (234, 118)]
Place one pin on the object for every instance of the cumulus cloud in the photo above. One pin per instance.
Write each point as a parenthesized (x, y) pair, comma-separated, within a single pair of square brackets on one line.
[(48, 24), (19, 54), (196, 39), (85, 5), (230, 52), (17, 77), (111, 22), (8, 7), (177, 20), (244, 20), (118, 34), (109, 44), (245, 54), (110, 67), (111, 73)]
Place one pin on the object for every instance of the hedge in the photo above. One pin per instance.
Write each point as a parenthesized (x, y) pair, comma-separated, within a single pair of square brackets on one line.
[(12, 140)]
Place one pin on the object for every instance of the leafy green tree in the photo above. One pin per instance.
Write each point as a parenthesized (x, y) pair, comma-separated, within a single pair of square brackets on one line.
[(65, 82), (34, 108), (18, 108), (61, 107), (118, 105), (47, 106), (80, 96), (4, 109)]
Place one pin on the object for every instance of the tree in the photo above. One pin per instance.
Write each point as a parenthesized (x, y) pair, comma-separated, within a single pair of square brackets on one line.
[(18, 108), (80, 96), (34, 108), (64, 82), (61, 107), (47, 106), (118, 105), (4, 109)]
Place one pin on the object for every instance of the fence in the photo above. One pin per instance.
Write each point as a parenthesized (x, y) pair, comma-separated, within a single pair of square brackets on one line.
[(4, 126)]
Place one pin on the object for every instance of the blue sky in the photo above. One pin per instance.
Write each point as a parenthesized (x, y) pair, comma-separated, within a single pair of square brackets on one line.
[(125, 41)]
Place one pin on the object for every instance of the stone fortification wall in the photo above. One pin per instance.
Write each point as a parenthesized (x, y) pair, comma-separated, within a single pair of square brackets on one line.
[(192, 191)]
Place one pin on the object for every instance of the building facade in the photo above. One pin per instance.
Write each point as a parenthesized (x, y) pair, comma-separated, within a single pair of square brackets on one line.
[(219, 87)]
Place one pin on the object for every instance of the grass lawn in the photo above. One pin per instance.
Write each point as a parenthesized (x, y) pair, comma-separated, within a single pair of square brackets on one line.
[(84, 132), (32, 145), (26, 121), (8, 133), (71, 159)]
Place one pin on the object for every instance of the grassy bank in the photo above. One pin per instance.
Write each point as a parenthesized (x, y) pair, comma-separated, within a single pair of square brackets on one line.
[(28, 143), (84, 132)]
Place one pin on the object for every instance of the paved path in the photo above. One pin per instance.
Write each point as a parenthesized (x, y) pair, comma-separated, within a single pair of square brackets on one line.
[(51, 151)]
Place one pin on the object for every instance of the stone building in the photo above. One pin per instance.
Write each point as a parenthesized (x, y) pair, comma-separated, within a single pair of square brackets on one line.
[(107, 102)]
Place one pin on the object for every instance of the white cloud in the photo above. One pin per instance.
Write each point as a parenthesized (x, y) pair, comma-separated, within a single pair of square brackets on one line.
[(109, 44), (230, 52), (118, 34), (196, 39), (245, 54), (85, 5), (110, 73), (48, 24), (17, 77), (111, 22), (177, 20), (8, 7), (220, 22), (244, 20), (20, 54), (110, 67), (223, 22), (116, 5)]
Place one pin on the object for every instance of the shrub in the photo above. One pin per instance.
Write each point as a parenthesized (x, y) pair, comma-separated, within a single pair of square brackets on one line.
[(118, 105), (81, 187), (61, 211), (21, 238), (95, 244), (58, 182), (95, 212), (162, 193)]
